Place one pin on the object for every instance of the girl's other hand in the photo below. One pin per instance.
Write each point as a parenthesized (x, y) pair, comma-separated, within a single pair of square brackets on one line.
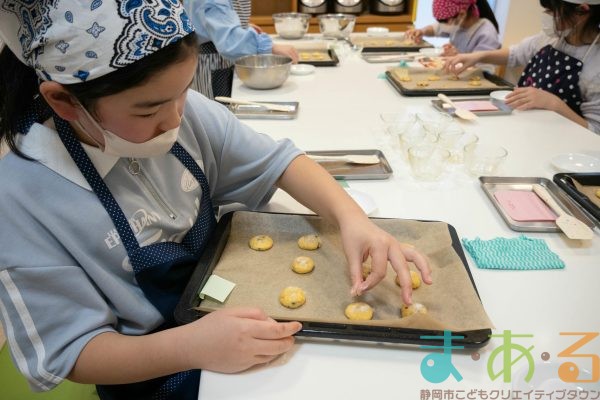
[(460, 62), (527, 98), (415, 35), (235, 339), (286, 50), (449, 50)]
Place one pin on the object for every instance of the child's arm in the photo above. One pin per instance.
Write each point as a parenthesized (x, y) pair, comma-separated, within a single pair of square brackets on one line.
[(312, 186), (229, 340), (461, 62), (417, 34)]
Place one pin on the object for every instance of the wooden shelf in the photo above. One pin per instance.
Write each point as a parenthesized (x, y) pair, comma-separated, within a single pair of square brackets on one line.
[(262, 11)]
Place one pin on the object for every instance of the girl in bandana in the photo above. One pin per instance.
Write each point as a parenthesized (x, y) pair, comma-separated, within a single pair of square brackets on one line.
[(108, 198), (469, 24), (225, 34), (562, 72)]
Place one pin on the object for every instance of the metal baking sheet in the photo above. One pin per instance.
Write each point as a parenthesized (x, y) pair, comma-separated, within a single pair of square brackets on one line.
[(389, 44), (327, 58), (386, 57), (503, 109), (185, 311), (495, 83), (490, 184), (343, 170), (251, 111), (565, 182)]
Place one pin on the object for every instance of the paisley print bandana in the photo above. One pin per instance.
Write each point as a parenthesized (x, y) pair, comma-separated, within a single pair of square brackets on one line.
[(72, 41), (446, 9)]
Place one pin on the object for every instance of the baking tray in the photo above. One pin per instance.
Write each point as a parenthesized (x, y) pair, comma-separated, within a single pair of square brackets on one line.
[(343, 170), (185, 312), (386, 57), (388, 44), (490, 184), (250, 111), (330, 58), (503, 109), (565, 182), (499, 84)]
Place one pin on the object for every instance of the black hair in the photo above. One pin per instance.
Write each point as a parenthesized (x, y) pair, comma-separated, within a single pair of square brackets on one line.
[(565, 13), (485, 11), (19, 84)]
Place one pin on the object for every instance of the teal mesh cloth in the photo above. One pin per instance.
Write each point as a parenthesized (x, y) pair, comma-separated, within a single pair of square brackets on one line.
[(520, 253)]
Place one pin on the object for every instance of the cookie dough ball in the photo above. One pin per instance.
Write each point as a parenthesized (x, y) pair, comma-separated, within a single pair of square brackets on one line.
[(414, 278), (366, 270), (474, 83), (359, 311), (303, 265), (309, 242), (292, 297), (598, 193), (261, 243), (415, 308), (422, 84), (433, 78)]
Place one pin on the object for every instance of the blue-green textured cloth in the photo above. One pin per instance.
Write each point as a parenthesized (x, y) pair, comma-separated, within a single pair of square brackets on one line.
[(522, 253)]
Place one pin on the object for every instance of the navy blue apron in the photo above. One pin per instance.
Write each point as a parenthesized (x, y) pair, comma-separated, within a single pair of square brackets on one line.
[(556, 72), (161, 269)]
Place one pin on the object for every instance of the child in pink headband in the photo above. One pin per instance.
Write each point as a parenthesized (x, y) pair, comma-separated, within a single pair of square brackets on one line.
[(470, 25)]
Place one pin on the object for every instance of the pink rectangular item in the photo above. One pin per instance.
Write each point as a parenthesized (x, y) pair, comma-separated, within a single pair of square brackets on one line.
[(524, 205), (476, 105)]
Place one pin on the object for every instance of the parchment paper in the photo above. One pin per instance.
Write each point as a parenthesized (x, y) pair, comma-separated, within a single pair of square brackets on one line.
[(378, 42), (444, 82), (589, 191), (260, 276)]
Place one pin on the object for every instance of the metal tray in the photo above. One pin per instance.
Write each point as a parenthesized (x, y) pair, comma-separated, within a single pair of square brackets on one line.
[(503, 109), (500, 83), (490, 184), (389, 49), (565, 182), (386, 57), (332, 62), (343, 170), (246, 111), (184, 312)]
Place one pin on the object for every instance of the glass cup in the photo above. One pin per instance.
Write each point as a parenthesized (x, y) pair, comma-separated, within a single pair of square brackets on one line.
[(457, 150), (427, 161), (413, 137), (450, 135), (484, 159), (396, 124), (434, 122)]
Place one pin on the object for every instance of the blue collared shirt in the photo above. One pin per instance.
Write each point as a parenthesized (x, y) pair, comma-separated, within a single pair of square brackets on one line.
[(216, 21)]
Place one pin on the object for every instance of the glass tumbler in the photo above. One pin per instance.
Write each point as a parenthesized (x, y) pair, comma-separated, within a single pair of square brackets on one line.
[(484, 159), (427, 161)]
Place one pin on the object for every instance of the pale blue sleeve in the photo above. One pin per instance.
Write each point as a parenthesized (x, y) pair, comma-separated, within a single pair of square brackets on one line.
[(216, 21)]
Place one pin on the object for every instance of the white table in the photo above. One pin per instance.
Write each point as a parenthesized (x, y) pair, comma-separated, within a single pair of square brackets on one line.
[(339, 107)]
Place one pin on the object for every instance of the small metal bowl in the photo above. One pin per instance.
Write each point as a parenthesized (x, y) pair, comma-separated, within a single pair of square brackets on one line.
[(338, 26), (263, 71), (291, 25)]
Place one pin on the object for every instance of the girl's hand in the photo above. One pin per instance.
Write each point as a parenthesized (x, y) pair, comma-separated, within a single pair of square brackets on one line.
[(234, 339), (460, 62), (361, 239), (449, 50), (527, 98), (286, 50), (415, 35)]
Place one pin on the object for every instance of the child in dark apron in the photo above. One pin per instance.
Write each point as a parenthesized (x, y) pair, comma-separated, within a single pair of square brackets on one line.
[(108, 200), (561, 64)]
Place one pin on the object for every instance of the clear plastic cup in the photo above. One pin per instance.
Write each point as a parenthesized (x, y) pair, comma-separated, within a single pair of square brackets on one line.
[(427, 161), (484, 159), (450, 135)]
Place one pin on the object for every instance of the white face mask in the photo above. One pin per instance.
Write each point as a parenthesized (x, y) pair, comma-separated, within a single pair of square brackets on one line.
[(114, 145), (549, 27)]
